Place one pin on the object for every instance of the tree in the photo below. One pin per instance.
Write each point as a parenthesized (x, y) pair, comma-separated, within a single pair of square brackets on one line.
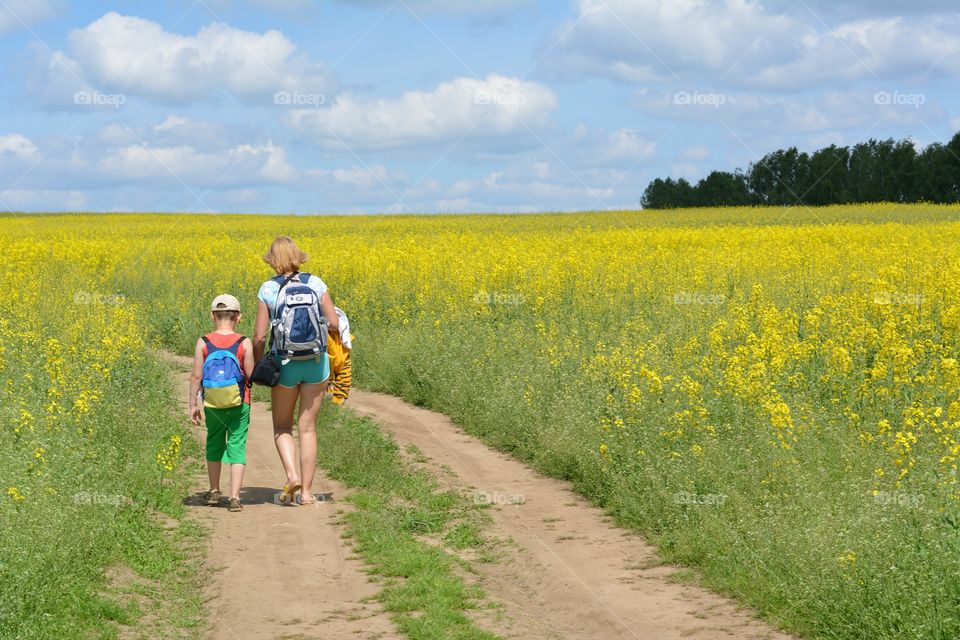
[(872, 171)]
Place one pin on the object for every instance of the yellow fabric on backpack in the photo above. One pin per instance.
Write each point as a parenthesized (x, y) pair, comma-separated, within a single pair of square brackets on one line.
[(341, 368)]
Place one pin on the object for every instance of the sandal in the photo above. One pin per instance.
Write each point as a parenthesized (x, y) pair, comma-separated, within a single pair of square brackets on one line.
[(235, 505), (303, 503), (289, 490), (212, 498)]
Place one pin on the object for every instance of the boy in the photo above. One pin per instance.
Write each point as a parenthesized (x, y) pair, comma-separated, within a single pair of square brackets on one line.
[(339, 346), (222, 364)]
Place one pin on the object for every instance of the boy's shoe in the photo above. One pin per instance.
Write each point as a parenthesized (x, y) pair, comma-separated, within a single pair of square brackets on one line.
[(213, 498), (235, 505)]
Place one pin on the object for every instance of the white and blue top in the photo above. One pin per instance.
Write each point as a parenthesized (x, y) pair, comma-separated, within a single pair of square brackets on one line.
[(269, 290)]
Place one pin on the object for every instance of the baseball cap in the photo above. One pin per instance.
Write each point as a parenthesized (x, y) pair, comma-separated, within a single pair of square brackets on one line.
[(225, 302)]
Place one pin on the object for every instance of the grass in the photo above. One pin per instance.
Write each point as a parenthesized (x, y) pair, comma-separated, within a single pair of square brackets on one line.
[(98, 547), (406, 529)]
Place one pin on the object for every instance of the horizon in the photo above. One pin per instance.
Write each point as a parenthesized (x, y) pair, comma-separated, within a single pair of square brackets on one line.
[(418, 107)]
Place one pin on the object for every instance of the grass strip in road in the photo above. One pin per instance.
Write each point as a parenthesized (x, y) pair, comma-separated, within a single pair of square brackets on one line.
[(407, 529)]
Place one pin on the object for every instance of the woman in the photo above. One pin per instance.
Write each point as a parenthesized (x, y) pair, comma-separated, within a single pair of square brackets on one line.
[(303, 379)]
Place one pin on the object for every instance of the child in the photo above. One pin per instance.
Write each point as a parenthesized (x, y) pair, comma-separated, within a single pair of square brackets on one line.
[(339, 345), (222, 364)]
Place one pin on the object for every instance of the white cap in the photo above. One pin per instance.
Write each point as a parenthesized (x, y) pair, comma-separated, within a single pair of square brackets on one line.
[(225, 302)]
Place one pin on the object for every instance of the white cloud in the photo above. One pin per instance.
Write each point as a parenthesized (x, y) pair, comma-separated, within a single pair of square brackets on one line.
[(18, 147), (137, 57), (822, 111), (22, 14), (43, 200), (476, 11), (185, 165), (478, 110), (355, 177), (741, 43)]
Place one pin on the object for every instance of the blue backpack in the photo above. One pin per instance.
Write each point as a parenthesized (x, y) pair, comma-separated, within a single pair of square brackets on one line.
[(223, 379), (299, 327)]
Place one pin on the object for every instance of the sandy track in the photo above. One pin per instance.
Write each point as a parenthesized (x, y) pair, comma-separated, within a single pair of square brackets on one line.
[(280, 572), (570, 573)]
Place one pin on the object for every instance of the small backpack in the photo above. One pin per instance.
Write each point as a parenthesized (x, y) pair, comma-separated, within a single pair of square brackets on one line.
[(223, 379), (299, 328)]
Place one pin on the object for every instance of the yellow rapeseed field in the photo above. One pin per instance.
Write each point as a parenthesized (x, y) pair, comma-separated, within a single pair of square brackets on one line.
[(772, 395)]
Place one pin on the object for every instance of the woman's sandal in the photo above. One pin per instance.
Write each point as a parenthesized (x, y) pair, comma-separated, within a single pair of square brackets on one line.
[(303, 503), (289, 490), (212, 498), (235, 505)]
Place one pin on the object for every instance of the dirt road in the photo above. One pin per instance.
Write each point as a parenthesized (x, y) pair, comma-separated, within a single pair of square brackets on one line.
[(281, 571), (565, 573), (569, 573)]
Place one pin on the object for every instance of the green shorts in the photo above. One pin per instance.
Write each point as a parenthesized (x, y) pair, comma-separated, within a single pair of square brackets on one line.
[(312, 371), (227, 434)]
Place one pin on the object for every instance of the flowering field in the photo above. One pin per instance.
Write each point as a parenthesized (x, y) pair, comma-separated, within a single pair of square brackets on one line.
[(771, 395)]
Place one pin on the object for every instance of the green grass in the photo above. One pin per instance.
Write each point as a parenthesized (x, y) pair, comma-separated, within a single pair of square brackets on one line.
[(406, 529), (99, 544)]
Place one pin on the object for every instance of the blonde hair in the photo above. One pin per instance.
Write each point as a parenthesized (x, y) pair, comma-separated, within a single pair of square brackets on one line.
[(284, 255)]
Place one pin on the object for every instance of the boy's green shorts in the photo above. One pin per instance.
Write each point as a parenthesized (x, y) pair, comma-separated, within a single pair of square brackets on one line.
[(227, 434)]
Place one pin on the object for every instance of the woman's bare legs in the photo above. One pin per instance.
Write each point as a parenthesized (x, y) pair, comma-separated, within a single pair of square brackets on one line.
[(284, 400), (311, 397)]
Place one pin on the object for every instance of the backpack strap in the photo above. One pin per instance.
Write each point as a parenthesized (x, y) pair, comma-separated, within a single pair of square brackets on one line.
[(282, 281)]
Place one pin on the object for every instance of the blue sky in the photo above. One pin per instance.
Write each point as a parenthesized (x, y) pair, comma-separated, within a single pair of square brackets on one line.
[(350, 106)]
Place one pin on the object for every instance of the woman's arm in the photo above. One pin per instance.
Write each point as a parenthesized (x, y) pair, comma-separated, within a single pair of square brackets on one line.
[(260, 330), (326, 305), (248, 360)]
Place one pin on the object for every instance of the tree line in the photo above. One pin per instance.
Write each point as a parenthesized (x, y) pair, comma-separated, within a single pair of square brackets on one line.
[(874, 171)]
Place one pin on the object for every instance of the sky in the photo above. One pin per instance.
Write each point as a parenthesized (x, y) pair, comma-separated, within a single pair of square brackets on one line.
[(427, 106)]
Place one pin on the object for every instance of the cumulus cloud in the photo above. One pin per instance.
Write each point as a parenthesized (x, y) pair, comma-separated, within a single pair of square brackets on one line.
[(478, 110), (749, 44), (137, 57), (19, 147)]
